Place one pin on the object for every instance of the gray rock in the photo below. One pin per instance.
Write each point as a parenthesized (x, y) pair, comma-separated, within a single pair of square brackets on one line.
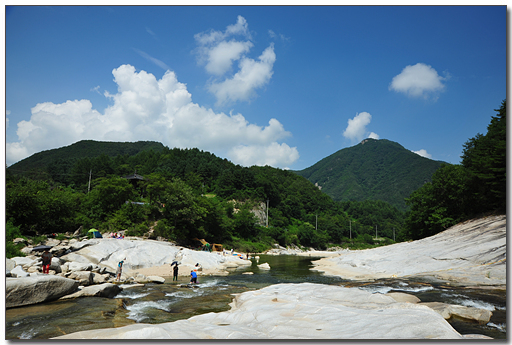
[(59, 250), (53, 242), (26, 250), (20, 240), (403, 297), (98, 278), (78, 266), (55, 265), (85, 278), (103, 290), (25, 260), (36, 289), (10, 264), (156, 279), (18, 272), (470, 313)]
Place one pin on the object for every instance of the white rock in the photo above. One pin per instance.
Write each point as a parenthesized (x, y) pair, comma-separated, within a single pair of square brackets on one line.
[(25, 260), (264, 266), (103, 290), (156, 279), (297, 311), (18, 272), (472, 252), (36, 289)]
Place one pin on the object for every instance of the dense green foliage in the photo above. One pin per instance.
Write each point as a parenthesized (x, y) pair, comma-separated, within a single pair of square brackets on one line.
[(372, 170), (460, 192), (187, 194), (56, 163), (12, 232)]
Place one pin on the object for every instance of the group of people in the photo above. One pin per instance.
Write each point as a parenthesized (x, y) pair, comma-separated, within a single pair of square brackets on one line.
[(116, 235), (193, 273)]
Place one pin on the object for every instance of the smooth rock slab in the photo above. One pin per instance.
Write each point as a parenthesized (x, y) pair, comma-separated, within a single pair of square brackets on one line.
[(470, 313), (103, 290), (36, 289), (297, 311)]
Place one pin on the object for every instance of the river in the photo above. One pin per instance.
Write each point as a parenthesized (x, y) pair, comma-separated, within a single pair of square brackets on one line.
[(158, 303)]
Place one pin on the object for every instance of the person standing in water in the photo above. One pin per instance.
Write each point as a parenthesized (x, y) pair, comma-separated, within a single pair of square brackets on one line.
[(193, 276), (175, 272)]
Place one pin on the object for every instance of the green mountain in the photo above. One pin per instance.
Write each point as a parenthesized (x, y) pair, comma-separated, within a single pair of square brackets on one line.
[(40, 161), (372, 170)]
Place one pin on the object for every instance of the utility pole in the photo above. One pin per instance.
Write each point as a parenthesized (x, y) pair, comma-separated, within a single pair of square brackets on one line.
[(350, 222), (89, 188), (393, 234), (375, 231), (316, 222)]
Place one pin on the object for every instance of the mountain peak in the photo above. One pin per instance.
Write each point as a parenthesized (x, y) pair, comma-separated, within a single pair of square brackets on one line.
[(374, 169)]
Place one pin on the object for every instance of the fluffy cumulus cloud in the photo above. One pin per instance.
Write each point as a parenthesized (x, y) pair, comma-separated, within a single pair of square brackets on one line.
[(219, 50), (145, 108), (420, 80), (356, 129), (423, 153)]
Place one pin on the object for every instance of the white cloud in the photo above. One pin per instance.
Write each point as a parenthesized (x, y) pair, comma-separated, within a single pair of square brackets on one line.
[(356, 129), (145, 108), (419, 80), (277, 155), (7, 113), (252, 75), (221, 57), (373, 135), (423, 153), (218, 50)]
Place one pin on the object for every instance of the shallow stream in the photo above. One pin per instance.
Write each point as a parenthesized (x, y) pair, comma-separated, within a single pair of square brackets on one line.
[(158, 303)]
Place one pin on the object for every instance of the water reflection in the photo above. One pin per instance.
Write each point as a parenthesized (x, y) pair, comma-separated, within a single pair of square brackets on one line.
[(158, 303)]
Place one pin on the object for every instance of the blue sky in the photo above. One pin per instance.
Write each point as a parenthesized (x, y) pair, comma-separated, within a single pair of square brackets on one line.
[(283, 85)]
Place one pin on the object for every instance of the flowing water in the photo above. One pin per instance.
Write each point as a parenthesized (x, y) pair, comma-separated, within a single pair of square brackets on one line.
[(158, 303)]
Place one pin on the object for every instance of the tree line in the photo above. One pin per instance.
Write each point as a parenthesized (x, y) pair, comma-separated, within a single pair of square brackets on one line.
[(460, 192), (187, 194)]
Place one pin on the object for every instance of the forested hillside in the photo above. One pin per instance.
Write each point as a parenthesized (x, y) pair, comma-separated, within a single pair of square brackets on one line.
[(372, 170), (58, 160), (188, 193)]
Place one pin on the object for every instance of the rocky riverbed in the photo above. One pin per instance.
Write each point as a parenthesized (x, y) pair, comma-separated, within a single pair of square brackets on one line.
[(88, 268), (470, 254)]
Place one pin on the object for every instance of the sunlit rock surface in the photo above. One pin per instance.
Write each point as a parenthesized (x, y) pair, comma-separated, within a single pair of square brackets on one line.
[(470, 253), (297, 311), (36, 289)]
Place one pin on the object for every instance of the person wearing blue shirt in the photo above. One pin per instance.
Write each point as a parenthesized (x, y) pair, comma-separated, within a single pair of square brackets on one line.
[(194, 277)]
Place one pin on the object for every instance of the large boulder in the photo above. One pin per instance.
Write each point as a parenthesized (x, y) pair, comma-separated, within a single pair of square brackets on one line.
[(36, 289), (297, 311), (107, 290)]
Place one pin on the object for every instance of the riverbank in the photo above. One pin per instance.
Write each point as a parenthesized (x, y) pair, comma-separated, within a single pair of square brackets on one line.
[(472, 253)]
